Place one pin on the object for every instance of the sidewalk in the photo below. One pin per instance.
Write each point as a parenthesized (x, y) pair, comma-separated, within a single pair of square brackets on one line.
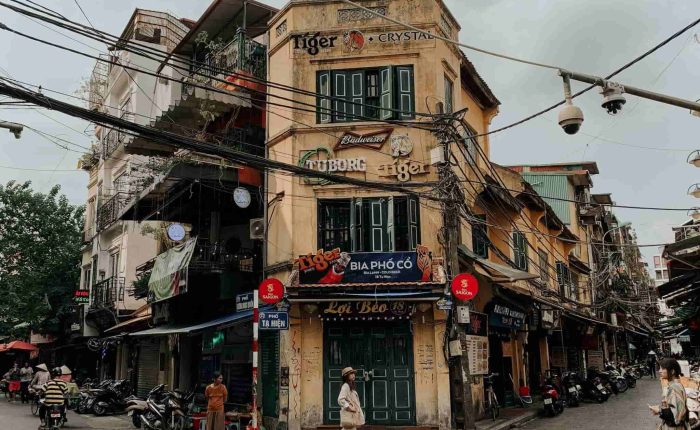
[(509, 418)]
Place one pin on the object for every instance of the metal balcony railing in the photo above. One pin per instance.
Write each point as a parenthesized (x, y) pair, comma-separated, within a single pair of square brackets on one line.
[(139, 288), (108, 212), (214, 257), (241, 54), (105, 294), (115, 137)]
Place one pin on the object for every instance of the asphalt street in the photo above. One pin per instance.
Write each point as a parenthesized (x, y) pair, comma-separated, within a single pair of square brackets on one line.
[(626, 411), (16, 416)]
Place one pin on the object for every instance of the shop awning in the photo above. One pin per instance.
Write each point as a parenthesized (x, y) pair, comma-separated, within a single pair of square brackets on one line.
[(678, 283), (496, 272), (218, 323), (407, 296), (18, 345), (128, 323)]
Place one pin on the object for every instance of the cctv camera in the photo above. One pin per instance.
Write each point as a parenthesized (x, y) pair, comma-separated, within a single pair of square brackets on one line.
[(613, 98), (17, 132), (570, 119)]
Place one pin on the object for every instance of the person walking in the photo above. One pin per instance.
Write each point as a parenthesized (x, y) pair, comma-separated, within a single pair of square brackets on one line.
[(41, 376), (672, 410), (25, 377), (651, 363), (216, 395), (351, 415)]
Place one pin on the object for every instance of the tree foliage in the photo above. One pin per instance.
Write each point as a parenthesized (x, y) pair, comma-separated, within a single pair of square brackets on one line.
[(40, 241)]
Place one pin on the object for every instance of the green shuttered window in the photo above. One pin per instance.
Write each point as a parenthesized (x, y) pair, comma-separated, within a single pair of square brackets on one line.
[(365, 94), (520, 251)]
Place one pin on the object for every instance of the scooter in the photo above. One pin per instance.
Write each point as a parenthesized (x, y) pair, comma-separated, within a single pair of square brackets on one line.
[(112, 399), (170, 413), (553, 404), (55, 416), (593, 388), (573, 390), (136, 407)]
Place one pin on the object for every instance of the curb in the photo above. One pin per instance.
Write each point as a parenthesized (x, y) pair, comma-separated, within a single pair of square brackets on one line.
[(512, 422)]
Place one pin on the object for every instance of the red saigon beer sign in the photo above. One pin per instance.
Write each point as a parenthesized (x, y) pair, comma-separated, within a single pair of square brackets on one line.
[(465, 286), (271, 291)]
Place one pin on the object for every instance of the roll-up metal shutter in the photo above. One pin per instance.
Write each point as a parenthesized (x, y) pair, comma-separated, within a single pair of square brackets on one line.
[(149, 351)]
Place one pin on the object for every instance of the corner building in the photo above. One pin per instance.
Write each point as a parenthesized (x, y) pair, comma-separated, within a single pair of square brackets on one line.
[(362, 267)]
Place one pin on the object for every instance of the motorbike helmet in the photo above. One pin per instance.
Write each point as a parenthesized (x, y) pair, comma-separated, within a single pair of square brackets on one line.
[(56, 372)]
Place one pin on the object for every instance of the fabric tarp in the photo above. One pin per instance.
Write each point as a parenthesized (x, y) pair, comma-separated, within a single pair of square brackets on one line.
[(496, 272), (127, 323), (221, 322), (169, 275), (18, 345)]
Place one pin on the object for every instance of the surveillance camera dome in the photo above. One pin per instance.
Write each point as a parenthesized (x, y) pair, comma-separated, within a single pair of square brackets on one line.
[(613, 103), (570, 119)]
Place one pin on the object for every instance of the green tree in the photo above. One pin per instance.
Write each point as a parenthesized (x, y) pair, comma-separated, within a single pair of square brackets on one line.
[(40, 241)]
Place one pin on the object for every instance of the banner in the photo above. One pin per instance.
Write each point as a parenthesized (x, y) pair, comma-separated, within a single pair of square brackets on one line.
[(505, 317), (367, 310), (169, 275), (339, 268), (478, 324)]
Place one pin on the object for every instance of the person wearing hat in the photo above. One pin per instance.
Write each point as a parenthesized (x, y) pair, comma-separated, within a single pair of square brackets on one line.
[(351, 415), (41, 376)]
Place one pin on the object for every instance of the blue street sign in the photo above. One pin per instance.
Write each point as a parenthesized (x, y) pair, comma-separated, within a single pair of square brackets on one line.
[(274, 321), (244, 302)]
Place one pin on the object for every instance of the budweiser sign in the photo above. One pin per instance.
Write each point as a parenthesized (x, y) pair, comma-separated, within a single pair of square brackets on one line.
[(373, 140)]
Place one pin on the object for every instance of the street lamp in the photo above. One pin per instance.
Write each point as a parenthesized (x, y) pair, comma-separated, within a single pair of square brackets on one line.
[(623, 225), (694, 213), (694, 191), (14, 128), (694, 158)]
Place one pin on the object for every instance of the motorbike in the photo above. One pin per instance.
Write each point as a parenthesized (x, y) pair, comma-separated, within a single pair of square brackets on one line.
[(693, 404), (87, 396), (572, 388), (619, 381), (605, 379), (167, 410), (553, 404), (628, 374), (593, 388), (112, 399), (55, 417), (137, 407)]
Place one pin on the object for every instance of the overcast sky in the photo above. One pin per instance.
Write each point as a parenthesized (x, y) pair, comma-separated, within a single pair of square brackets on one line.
[(592, 36)]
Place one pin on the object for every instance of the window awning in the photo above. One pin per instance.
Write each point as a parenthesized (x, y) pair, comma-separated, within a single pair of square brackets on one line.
[(579, 265), (496, 272), (127, 323), (678, 283), (218, 323)]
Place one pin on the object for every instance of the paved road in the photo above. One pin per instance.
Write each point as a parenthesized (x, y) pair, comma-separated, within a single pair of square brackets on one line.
[(626, 411), (16, 416)]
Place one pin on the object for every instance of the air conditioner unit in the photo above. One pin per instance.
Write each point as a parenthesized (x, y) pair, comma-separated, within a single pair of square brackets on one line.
[(257, 228)]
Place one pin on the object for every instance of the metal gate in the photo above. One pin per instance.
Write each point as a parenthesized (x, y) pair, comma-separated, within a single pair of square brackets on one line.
[(147, 367)]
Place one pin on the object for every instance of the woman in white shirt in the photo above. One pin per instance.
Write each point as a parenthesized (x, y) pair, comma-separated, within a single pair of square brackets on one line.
[(351, 415)]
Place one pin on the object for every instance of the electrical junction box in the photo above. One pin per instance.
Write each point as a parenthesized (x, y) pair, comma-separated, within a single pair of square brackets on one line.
[(455, 348), (437, 156), (462, 315)]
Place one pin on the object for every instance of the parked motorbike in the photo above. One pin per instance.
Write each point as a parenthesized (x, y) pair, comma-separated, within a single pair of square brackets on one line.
[(87, 396), (55, 417), (136, 406), (593, 388), (616, 378), (573, 389), (628, 374), (167, 410), (553, 404), (112, 399), (605, 379)]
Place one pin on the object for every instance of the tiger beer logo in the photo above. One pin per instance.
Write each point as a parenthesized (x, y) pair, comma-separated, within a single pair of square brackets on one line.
[(354, 40)]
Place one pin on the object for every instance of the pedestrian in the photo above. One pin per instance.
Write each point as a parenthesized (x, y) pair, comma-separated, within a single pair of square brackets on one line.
[(13, 381), (351, 415), (651, 363), (41, 376), (672, 410), (25, 377), (216, 395)]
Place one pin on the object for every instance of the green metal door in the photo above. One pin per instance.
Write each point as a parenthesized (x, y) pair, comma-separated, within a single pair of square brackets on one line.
[(383, 358)]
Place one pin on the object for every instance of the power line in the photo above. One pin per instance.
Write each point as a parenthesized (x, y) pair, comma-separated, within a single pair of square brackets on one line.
[(83, 12)]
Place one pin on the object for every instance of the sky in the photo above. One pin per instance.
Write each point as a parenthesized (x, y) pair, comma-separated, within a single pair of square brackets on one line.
[(593, 36)]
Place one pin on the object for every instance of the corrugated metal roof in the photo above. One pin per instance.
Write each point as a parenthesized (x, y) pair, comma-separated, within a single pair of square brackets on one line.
[(553, 186)]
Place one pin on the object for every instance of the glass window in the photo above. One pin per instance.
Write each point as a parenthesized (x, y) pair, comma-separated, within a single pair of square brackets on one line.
[(334, 224), (657, 261), (573, 286), (449, 95), (659, 275), (480, 237), (544, 265), (563, 279), (520, 251), (365, 94)]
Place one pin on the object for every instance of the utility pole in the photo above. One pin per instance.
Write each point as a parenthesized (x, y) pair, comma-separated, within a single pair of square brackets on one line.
[(460, 377)]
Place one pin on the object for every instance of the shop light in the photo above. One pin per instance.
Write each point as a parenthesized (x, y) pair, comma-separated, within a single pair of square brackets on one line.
[(694, 158), (694, 213), (694, 191)]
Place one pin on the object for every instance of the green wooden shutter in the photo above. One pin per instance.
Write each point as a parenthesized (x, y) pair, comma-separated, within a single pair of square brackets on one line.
[(340, 94), (377, 225), (323, 88), (386, 100), (413, 222), (356, 224), (390, 228), (405, 94), (357, 94)]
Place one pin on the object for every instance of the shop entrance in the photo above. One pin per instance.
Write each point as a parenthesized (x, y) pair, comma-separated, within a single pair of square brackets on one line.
[(382, 354)]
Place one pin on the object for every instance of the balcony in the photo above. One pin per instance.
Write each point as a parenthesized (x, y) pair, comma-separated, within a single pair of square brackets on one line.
[(139, 288), (214, 258), (109, 211), (105, 294), (114, 139), (241, 55)]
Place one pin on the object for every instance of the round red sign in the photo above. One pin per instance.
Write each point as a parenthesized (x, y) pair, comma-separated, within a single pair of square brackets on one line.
[(271, 291), (465, 286)]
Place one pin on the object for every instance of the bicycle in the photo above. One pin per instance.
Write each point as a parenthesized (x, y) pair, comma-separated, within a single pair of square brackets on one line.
[(491, 401)]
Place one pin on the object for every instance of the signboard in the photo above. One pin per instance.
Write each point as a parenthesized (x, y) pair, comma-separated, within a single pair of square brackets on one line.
[(444, 304), (355, 41), (323, 160), (271, 291), (478, 350), (595, 359), (478, 324), (367, 310), (81, 297), (505, 317), (274, 321), (170, 272), (340, 268), (465, 286), (374, 140), (244, 301)]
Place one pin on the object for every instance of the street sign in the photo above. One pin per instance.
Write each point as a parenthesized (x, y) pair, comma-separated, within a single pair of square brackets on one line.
[(274, 321), (244, 301), (465, 286), (271, 291), (444, 304), (81, 297)]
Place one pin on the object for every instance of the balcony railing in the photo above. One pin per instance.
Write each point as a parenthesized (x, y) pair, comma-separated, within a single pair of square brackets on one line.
[(214, 257), (139, 288), (115, 137), (105, 294), (241, 54), (108, 213)]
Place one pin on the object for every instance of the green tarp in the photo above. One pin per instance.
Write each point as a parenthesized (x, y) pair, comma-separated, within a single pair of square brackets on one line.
[(169, 275)]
